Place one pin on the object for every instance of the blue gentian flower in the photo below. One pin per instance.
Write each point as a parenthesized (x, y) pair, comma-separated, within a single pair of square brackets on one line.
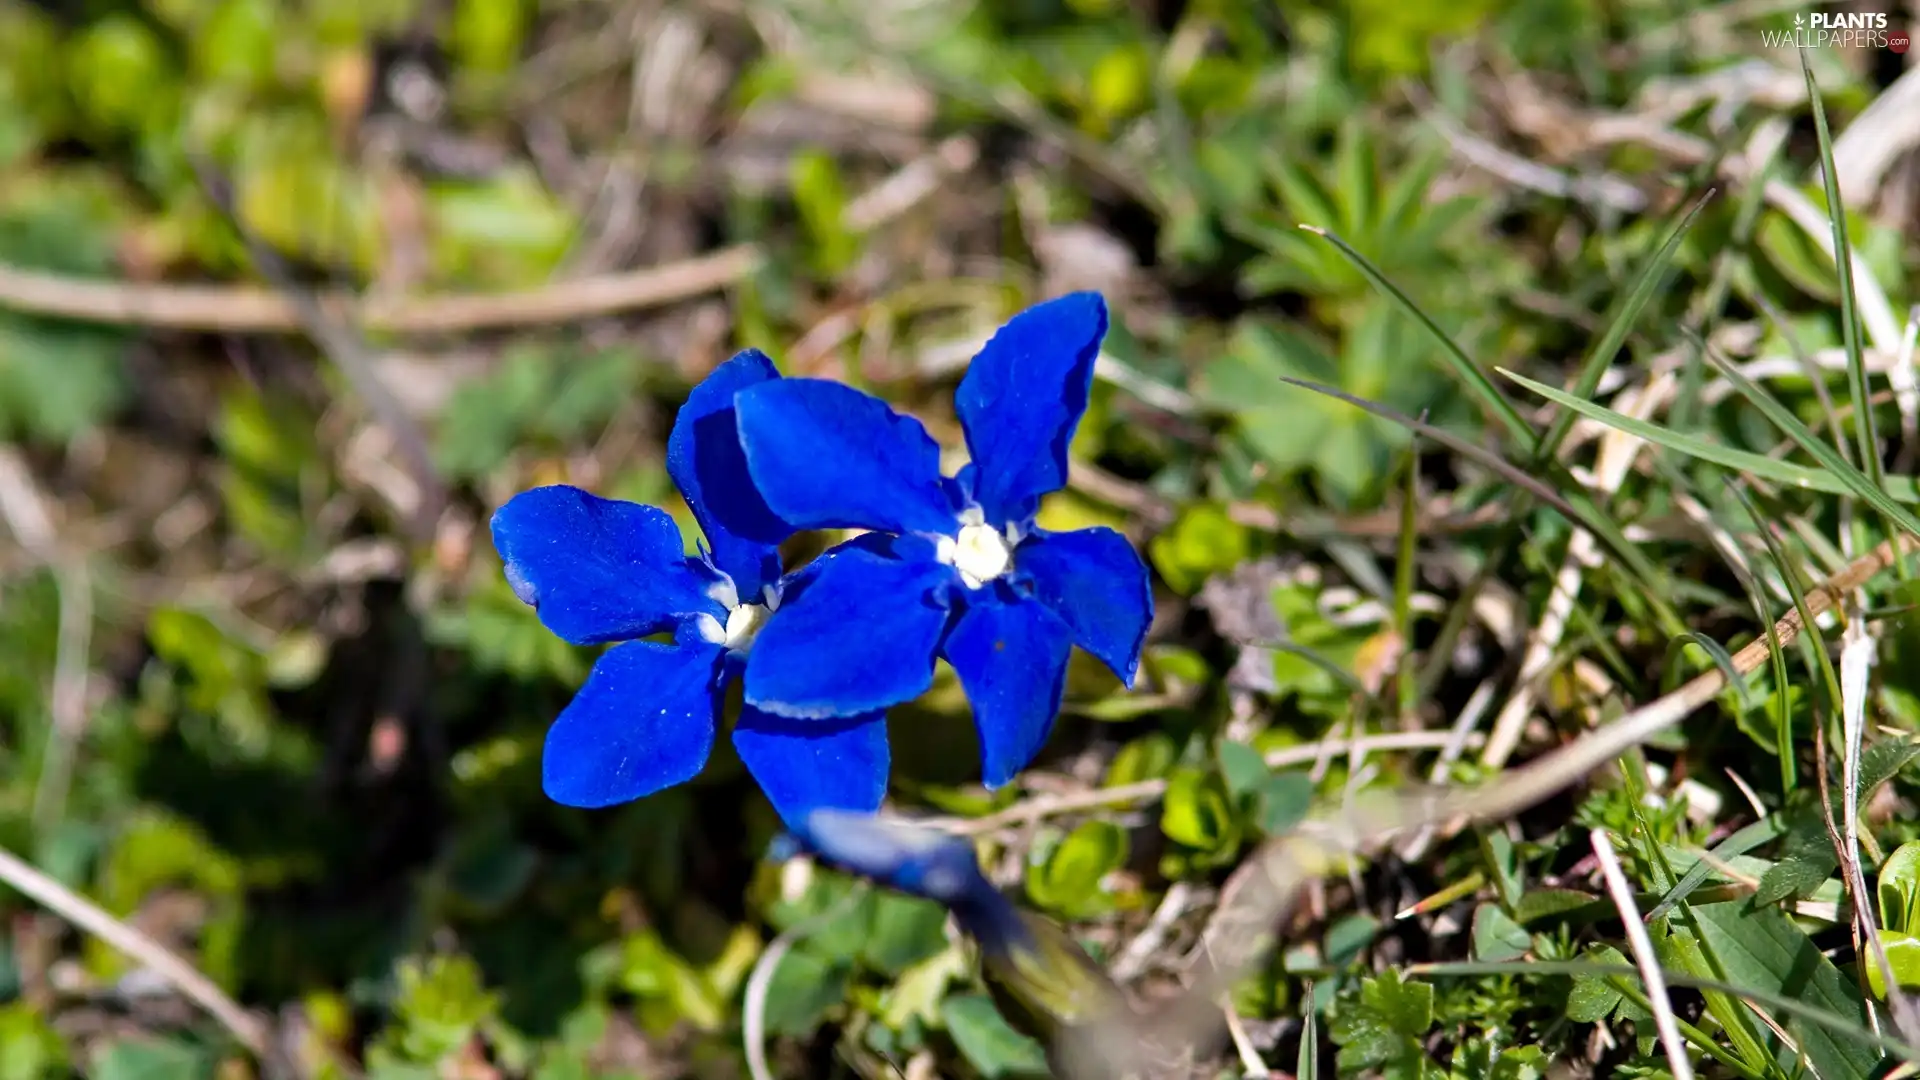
[(1042, 980), (953, 566), (897, 853), (599, 570)]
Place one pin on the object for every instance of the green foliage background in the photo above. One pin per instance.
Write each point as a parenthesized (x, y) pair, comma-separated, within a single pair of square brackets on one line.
[(252, 711)]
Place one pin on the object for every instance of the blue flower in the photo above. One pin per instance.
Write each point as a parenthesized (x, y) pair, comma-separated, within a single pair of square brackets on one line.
[(953, 566), (1042, 980), (599, 570), (920, 861)]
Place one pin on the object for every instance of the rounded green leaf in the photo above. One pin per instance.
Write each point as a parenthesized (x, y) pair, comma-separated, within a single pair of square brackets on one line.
[(1899, 888), (1204, 541), (1903, 956), (1196, 812), (1145, 758), (1069, 881), (121, 76)]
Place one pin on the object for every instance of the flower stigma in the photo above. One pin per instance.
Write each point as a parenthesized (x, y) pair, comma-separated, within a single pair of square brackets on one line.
[(742, 626), (979, 553)]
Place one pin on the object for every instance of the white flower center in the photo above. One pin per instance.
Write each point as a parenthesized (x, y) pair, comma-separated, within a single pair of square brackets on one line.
[(743, 620), (743, 625), (979, 553)]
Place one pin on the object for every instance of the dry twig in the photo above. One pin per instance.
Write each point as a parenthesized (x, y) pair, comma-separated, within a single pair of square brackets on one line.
[(179, 974), (244, 309), (1643, 956)]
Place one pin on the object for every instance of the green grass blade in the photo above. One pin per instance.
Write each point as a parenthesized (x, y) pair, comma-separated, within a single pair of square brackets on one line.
[(1465, 370), (1512, 473), (1652, 277), (1777, 658), (1717, 653), (1764, 831), (1868, 438), (1857, 482), (1577, 506), (1865, 428), (1307, 1064), (1743, 461), (1808, 627), (1404, 573)]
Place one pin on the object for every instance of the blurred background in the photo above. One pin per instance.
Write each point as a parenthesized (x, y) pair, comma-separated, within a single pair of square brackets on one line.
[(268, 700)]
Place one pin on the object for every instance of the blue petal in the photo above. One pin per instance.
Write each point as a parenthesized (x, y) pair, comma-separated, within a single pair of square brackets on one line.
[(859, 635), (643, 722), (1022, 398), (706, 463), (597, 569), (1093, 579), (826, 456), (803, 765), (1011, 657), (912, 858)]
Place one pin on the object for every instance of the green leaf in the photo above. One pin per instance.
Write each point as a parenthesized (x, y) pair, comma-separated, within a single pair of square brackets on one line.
[(1868, 439), (1796, 257), (915, 996), (497, 632), (441, 1001), (821, 198), (238, 44), (1496, 936), (1069, 882), (29, 1047), (1503, 864), (1347, 938), (1752, 836), (122, 77), (540, 397), (1241, 766), (487, 34), (1898, 889), (506, 232), (669, 989), (1520, 1063), (1879, 762), (843, 936), (1903, 956), (295, 194), (988, 1042), (223, 677), (1148, 757), (1763, 949), (1593, 998), (1202, 541), (153, 1059), (1806, 859), (1282, 801), (1385, 1025), (57, 380), (1196, 811), (906, 930), (804, 988), (1536, 904)]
